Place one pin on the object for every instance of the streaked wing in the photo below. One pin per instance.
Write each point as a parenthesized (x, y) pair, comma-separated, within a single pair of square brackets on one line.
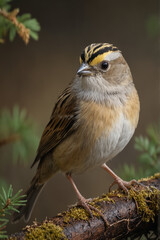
[(61, 124)]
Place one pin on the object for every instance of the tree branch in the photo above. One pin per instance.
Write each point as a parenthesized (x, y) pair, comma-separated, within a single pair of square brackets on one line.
[(10, 139), (23, 32), (134, 217)]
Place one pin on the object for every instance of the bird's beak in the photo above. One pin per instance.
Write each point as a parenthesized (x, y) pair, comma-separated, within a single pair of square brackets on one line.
[(84, 70)]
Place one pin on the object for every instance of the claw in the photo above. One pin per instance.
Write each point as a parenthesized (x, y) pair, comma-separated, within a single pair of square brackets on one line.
[(114, 182), (86, 204), (124, 185)]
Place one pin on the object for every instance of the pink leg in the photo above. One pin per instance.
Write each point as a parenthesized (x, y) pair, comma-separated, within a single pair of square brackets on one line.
[(121, 183), (83, 201)]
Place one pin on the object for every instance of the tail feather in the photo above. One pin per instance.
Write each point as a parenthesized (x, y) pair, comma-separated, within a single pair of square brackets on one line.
[(31, 197), (46, 169)]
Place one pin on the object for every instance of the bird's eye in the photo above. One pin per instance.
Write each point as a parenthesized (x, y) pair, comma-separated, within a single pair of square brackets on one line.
[(104, 65)]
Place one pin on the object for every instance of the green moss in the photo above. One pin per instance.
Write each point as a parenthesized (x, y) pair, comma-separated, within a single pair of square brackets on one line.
[(75, 213), (79, 213), (155, 176), (104, 198), (147, 201), (47, 230)]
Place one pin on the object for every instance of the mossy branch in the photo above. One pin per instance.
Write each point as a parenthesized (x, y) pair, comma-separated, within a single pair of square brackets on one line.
[(133, 217)]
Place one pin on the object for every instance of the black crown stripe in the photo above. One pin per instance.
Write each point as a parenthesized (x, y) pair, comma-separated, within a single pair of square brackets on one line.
[(88, 48), (97, 46), (101, 51), (91, 51)]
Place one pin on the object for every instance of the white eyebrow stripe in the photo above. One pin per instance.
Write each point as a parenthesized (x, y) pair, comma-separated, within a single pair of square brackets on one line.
[(112, 56)]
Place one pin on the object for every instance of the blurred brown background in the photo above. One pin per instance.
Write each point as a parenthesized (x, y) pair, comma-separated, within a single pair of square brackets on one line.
[(33, 76)]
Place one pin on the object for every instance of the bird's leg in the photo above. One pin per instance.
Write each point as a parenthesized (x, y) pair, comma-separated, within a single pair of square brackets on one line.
[(81, 199), (117, 180), (85, 202)]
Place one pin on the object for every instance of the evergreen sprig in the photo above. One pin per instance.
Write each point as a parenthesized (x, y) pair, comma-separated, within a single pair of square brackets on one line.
[(10, 23), (149, 158), (8, 203), (19, 130)]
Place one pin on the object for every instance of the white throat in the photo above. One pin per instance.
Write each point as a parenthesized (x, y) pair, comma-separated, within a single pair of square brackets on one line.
[(100, 91)]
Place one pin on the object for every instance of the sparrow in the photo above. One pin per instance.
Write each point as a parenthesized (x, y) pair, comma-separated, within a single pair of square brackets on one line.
[(92, 121)]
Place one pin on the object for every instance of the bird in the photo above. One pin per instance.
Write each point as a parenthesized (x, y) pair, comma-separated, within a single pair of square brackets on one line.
[(92, 121)]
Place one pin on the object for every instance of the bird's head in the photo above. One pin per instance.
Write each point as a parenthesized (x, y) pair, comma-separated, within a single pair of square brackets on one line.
[(103, 62)]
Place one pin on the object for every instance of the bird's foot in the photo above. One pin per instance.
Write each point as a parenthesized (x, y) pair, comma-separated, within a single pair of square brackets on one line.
[(87, 205), (124, 185)]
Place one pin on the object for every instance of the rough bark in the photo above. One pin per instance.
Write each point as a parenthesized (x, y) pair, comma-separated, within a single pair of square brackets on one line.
[(125, 217)]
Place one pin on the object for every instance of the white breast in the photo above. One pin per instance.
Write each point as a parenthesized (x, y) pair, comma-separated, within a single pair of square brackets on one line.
[(110, 144)]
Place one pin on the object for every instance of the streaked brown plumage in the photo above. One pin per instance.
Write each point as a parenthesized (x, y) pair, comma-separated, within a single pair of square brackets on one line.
[(92, 121), (61, 124)]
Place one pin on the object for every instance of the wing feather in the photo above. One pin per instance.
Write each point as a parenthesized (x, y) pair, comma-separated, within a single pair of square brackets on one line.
[(62, 123)]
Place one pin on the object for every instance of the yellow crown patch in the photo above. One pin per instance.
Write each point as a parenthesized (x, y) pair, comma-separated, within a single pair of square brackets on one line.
[(96, 52)]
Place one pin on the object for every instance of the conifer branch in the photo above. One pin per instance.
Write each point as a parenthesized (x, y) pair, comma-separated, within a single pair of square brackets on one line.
[(10, 139), (23, 32), (8, 204)]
